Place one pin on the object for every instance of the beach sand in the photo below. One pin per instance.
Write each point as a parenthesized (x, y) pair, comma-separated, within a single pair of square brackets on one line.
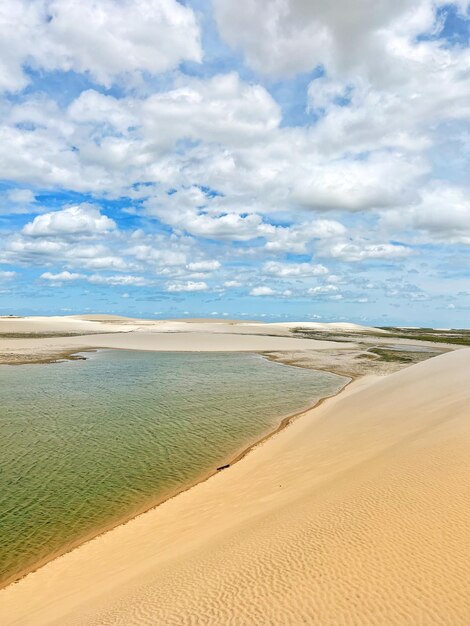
[(357, 513)]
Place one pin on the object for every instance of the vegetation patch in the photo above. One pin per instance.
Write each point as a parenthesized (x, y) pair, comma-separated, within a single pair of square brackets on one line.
[(454, 336), (399, 356)]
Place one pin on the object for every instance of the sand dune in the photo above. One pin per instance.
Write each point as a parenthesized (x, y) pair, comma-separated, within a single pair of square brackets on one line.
[(160, 342), (132, 334), (115, 323), (358, 513)]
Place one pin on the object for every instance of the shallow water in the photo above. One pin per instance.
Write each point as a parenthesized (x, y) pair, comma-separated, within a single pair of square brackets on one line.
[(85, 444)]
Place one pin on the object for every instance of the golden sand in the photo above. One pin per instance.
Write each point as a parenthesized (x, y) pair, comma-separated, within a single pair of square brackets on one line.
[(358, 513)]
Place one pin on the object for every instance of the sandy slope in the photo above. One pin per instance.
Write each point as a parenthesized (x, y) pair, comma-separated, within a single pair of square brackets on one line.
[(358, 513)]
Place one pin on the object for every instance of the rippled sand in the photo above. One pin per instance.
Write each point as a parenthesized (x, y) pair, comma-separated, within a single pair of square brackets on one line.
[(358, 513)]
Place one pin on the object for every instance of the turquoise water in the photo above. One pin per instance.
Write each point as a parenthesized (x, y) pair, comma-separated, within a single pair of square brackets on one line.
[(86, 444)]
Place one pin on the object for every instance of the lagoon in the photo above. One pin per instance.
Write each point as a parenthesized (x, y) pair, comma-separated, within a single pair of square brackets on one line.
[(86, 445)]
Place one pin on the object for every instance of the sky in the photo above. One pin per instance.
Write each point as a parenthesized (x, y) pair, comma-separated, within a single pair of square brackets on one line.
[(251, 159)]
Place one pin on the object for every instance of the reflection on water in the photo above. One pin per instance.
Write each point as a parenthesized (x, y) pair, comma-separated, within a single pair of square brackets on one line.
[(88, 443)]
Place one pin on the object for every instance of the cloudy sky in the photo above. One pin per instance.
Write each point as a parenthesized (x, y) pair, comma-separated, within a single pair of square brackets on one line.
[(272, 159)]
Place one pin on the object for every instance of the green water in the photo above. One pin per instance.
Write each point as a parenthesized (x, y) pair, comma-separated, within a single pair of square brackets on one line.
[(85, 444)]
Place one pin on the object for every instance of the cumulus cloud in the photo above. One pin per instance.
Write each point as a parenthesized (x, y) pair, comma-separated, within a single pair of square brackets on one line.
[(289, 270), (97, 279), (7, 275), (324, 92), (221, 109), (188, 286), (83, 219), (106, 39), (159, 251), (262, 291), (81, 240), (308, 33), (203, 266), (18, 201), (126, 280), (400, 113), (193, 211), (347, 251), (322, 289), (21, 196), (61, 276), (296, 238), (379, 181), (443, 214)]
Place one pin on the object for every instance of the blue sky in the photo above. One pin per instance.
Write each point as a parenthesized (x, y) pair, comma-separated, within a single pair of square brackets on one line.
[(273, 160)]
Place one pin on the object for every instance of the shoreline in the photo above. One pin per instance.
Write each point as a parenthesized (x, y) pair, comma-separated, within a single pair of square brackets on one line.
[(59, 357), (242, 452)]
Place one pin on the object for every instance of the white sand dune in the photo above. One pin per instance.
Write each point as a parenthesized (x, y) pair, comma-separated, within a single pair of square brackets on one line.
[(54, 324), (134, 334), (166, 342), (204, 341), (358, 513), (116, 323)]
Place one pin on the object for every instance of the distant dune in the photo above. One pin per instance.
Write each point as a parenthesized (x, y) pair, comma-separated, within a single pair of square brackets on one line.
[(44, 338)]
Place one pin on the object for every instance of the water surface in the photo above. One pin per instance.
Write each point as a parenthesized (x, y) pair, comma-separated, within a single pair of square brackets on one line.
[(86, 444)]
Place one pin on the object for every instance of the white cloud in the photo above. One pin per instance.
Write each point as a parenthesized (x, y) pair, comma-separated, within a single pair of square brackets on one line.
[(322, 289), (21, 196), (86, 244), (296, 238), (81, 219), (62, 276), (221, 109), (379, 181), (97, 279), (262, 291), (188, 286), (126, 280), (442, 214), (397, 114), (160, 252), (107, 262), (7, 275), (309, 33), (324, 92), (346, 251), (192, 211), (93, 107), (252, 27), (231, 284), (288, 270), (106, 39), (203, 266), (18, 201)]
